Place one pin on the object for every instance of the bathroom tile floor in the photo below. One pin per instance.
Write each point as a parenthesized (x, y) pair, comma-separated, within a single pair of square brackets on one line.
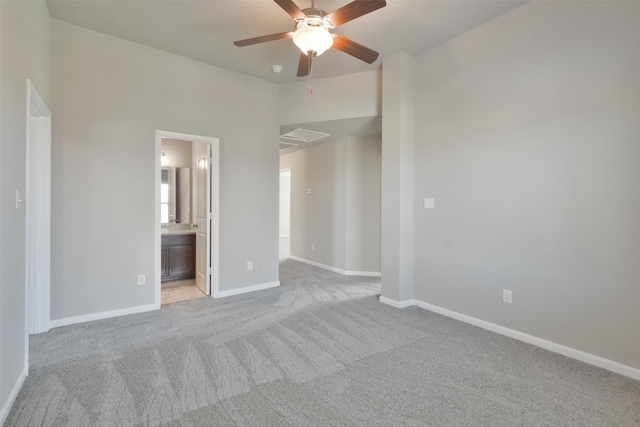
[(180, 290)]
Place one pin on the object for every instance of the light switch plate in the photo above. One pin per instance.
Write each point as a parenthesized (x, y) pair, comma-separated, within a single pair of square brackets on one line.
[(507, 296)]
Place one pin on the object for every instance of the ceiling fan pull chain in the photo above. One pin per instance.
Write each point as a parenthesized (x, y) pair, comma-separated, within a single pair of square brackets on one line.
[(310, 56)]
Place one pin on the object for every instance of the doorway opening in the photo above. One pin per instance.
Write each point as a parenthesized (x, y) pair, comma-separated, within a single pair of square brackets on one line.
[(285, 213), (187, 220)]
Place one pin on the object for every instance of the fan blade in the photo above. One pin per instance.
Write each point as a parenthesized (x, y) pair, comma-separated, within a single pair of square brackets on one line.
[(304, 66), (354, 49), (262, 39), (291, 8), (354, 10)]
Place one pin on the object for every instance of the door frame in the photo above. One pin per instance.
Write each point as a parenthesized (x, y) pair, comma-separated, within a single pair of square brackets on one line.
[(38, 214), (215, 207)]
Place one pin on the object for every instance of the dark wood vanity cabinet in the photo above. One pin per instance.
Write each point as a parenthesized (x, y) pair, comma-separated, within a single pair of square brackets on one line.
[(178, 257)]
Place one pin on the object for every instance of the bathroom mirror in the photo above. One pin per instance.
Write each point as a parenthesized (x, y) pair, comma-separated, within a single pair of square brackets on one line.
[(175, 195)]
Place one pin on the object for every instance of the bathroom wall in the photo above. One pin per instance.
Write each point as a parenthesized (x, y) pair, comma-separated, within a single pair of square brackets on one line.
[(178, 152)]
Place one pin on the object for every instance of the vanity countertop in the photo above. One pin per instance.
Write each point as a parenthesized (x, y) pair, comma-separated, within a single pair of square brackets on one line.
[(166, 232)]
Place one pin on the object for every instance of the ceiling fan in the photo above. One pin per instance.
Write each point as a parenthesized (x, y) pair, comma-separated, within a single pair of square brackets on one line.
[(312, 34)]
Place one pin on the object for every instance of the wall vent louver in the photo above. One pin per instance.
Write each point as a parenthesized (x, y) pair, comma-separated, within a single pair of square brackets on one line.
[(303, 135), (287, 145)]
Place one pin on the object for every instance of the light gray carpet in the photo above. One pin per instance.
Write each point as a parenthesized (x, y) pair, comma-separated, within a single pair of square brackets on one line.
[(318, 350)]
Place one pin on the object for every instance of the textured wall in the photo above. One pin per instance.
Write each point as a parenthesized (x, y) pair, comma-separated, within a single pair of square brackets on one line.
[(110, 96), (363, 204), (24, 54), (318, 218), (527, 135), (341, 216), (341, 97)]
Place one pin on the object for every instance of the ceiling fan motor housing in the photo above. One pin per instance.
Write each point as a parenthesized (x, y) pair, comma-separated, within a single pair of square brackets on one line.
[(312, 35)]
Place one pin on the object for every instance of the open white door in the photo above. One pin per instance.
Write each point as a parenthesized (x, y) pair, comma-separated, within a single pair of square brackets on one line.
[(38, 198), (202, 187)]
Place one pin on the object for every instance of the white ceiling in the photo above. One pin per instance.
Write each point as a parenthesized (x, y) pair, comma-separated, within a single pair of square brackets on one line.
[(205, 30)]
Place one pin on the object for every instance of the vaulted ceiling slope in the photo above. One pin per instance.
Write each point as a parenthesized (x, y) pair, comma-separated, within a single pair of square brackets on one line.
[(204, 30)]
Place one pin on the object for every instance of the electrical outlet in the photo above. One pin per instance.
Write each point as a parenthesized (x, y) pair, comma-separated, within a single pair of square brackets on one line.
[(429, 203), (249, 265), (313, 246), (506, 296), (142, 279)]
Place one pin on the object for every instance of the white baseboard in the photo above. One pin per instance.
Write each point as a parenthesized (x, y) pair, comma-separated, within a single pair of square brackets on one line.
[(336, 270), (6, 407), (573, 353), (396, 304), (260, 287), (142, 308), (102, 315), (362, 273)]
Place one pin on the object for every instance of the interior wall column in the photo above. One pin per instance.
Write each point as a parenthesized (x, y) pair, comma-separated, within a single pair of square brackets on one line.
[(397, 179)]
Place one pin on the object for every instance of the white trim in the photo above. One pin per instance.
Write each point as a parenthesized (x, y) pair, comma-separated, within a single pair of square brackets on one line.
[(35, 100), (215, 206), (231, 292), (103, 315), (215, 211), (363, 273), (316, 264), (158, 231), (335, 269), (592, 359), (396, 304), (6, 408)]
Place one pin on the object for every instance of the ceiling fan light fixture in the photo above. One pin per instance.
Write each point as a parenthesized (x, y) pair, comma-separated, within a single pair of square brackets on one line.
[(312, 34), (312, 39)]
